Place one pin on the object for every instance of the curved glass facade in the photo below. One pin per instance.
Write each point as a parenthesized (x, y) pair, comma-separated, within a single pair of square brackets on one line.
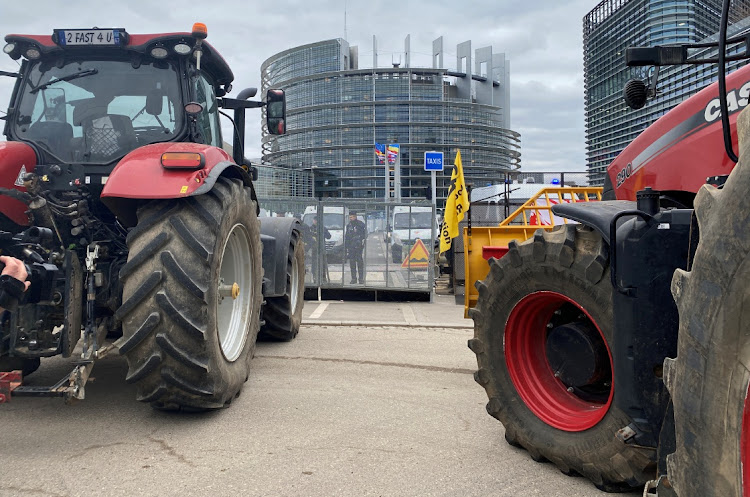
[(617, 24), (336, 113)]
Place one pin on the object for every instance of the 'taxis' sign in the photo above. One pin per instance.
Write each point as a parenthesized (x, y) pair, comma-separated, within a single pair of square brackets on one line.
[(433, 161)]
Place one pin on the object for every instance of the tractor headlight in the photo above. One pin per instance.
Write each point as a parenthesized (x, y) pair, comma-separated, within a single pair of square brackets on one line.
[(32, 53), (182, 48), (159, 52), (9, 48)]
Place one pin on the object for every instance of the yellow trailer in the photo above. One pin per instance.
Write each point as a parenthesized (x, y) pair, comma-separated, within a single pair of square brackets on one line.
[(483, 242)]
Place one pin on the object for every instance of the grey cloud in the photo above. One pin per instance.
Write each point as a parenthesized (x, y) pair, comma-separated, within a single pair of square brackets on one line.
[(541, 38)]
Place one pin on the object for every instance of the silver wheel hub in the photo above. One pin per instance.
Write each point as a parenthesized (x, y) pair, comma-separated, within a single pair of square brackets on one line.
[(294, 290), (235, 293)]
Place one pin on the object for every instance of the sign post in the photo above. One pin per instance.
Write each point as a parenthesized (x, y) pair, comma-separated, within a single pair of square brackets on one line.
[(433, 161)]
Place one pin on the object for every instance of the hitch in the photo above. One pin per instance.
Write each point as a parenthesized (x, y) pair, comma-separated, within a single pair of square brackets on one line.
[(70, 387), (9, 381)]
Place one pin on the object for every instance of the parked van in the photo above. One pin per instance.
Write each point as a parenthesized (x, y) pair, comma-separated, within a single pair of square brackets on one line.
[(407, 224)]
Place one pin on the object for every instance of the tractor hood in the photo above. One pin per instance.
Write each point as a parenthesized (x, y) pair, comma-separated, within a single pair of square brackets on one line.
[(684, 146)]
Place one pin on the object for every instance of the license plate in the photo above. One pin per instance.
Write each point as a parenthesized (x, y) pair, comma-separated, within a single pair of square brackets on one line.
[(77, 37)]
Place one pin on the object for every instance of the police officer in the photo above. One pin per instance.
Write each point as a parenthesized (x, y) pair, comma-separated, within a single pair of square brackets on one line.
[(354, 239), (12, 282)]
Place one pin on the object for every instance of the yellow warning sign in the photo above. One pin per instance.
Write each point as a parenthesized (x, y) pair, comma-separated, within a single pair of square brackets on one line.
[(418, 257)]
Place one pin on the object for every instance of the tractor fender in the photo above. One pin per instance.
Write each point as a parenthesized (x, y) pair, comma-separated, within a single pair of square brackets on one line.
[(276, 233), (140, 176), (597, 215), (16, 159)]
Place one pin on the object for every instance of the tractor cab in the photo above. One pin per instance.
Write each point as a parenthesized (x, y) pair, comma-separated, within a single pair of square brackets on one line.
[(89, 97)]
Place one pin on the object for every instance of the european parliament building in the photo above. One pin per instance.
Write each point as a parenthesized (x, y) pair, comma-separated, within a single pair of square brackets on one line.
[(338, 112), (614, 25)]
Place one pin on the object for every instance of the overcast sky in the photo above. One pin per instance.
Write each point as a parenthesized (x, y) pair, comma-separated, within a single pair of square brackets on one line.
[(542, 39)]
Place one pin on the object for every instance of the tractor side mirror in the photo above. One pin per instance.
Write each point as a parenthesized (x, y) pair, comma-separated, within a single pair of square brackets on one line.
[(276, 112)]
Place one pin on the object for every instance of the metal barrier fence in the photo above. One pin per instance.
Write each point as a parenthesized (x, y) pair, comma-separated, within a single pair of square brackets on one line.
[(395, 252), (283, 182), (491, 204)]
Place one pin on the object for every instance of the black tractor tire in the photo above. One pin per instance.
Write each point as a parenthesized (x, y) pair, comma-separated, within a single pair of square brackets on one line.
[(283, 315), (23, 364), (173, 313), (566, 267), (709, 378)]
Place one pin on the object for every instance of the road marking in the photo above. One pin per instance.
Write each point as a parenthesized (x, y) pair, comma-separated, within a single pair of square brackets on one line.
[(409, 315), (319, 311)]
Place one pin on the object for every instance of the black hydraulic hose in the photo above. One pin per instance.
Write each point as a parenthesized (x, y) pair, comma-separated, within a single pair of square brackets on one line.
[(723, 82), (16, 194)]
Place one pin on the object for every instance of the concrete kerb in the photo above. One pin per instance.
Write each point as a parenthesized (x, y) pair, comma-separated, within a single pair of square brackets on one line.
[(387, 324)]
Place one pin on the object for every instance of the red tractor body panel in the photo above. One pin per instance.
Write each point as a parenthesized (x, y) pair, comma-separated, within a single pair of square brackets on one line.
[(679, 151), (15, 159), (140, 175)]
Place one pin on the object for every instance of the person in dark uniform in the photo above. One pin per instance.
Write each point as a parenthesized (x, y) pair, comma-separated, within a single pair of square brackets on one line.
[(354, 242)]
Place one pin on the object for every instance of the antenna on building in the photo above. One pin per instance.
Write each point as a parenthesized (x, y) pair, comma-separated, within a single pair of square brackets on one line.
[(396, 64), (345, 35)]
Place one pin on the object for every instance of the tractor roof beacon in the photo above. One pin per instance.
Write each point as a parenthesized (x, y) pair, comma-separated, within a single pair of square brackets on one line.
[(134, 222), (594, 367)]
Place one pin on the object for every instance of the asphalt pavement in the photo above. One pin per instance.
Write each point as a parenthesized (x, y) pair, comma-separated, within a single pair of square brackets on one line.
[(441, 313), (371, 399)]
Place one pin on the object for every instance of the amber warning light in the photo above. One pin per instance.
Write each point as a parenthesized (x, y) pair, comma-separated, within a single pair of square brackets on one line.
[(200, 31), (182, 160)]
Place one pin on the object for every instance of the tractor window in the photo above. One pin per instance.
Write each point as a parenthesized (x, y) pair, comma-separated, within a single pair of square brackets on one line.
[(208, 120), (96, 111)]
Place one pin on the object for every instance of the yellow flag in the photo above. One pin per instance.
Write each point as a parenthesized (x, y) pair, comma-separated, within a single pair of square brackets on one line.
[(456, 205)]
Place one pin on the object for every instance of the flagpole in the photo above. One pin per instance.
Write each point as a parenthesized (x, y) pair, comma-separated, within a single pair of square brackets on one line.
[(397, 175)]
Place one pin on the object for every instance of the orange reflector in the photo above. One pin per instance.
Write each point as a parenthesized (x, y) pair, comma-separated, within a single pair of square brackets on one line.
[(182, 160), (200, 30)]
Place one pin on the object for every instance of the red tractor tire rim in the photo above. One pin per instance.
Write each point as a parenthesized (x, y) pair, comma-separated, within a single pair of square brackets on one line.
[(530, 371)]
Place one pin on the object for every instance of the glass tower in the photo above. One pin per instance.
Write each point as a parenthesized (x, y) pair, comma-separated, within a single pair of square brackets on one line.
[(336, 112), (614, 25)]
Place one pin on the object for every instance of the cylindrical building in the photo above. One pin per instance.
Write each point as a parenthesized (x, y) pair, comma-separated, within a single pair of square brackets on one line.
[(336, 113)]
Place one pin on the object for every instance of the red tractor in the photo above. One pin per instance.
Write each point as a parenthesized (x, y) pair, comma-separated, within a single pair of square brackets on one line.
[(133, 220), (576, 328)]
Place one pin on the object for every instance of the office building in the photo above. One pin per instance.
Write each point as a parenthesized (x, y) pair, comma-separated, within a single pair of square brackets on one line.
[(614, 25), (337, 112)]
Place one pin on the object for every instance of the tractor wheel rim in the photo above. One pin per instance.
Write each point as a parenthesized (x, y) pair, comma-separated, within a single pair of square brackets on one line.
[(525, 356), (745, 446), (294, 287), (233, 313)]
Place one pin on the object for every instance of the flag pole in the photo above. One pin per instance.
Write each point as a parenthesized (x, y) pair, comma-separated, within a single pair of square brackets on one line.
[(468, 213)]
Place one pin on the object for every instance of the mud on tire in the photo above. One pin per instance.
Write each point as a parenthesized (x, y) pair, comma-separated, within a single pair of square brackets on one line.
[(709, 379), (553, 274), (283, 315), (188, 343)]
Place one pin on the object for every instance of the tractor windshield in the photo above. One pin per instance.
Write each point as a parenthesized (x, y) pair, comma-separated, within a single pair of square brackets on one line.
[(96, 111)]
